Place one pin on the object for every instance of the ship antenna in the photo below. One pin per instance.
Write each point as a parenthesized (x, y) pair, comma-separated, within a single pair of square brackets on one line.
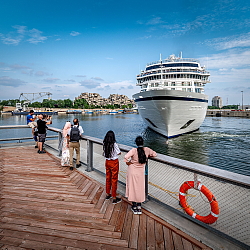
[(181, 54), (160, 58)]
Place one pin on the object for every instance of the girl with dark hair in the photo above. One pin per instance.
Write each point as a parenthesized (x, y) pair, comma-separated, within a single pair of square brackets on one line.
[(111, 152), (136, 159)]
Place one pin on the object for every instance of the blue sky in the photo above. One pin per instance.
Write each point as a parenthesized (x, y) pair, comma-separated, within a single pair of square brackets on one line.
[(69, 47)]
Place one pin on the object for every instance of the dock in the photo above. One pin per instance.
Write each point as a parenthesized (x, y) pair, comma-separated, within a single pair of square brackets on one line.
[(46, 206)]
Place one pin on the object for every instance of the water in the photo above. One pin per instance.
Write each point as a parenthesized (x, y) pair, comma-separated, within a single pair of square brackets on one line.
[(221, 142)]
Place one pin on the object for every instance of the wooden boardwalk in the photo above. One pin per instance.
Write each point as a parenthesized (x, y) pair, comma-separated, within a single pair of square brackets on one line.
[(46, 206)]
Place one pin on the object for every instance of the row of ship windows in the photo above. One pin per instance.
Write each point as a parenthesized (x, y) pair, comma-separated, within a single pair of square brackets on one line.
[(166, 84), (156, 84), (196, 90), (172, 65), (173, 71), (173, 76)]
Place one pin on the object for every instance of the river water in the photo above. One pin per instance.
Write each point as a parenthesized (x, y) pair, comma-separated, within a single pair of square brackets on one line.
[(221, 142)]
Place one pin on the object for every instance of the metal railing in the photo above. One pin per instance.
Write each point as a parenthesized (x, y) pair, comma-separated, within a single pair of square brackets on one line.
[(165, 176)]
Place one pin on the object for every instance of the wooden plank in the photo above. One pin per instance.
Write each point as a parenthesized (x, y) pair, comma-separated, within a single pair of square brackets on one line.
[(168, 238), (52, 210), (121, 217), (101, 200), (126, 227), (133, 238), (142, 236), (109, 210), (177, 241), (90, 189), (64, 238), (97, 195), (159, 238), (150, 233), (115, 214), (15, 223), (187, 245), (174, 229)]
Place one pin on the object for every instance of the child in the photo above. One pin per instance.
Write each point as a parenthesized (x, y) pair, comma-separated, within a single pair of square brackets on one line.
[(136, 159), (111, 152)]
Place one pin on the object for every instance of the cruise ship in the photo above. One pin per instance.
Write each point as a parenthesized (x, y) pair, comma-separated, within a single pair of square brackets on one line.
[(172, 100)]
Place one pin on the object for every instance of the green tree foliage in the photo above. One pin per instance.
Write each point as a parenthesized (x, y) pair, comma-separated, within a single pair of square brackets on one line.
[(67, 103), (9, 102), (81, 104), (230, 107)]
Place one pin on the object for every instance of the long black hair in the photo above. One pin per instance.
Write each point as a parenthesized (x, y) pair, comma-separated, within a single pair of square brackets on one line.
[(141, 154), (108, 144)]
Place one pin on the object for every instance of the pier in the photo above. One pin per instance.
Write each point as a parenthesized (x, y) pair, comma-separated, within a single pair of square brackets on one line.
[(43, 203), (228, 113), (46, 206)]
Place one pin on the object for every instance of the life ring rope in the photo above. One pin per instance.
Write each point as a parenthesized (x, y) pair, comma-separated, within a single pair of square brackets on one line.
[(214, 213)]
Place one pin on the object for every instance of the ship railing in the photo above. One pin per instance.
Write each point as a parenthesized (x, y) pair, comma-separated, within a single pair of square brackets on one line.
[(164, 177), (175, 71), (173, 60)]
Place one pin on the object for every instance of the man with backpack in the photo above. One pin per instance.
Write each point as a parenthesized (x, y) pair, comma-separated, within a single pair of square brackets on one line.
[(74, 136)]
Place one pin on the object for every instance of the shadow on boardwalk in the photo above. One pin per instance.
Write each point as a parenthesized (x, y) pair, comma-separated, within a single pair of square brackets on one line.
[(46, 206)]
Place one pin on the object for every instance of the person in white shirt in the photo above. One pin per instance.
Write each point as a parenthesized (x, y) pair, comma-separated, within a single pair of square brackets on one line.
[(74, 136), (111, 152)]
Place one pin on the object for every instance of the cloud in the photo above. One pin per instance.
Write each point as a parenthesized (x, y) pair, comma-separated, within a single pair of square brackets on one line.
[(155, 21), (130, 87), (97, 78), (19, 35), (36, 36), (7, 81), (238, 58), (51, 80), (74, 33), (80, 75), (70, 80), (230, 42), (90, 84), (41, 73), (18, 66)]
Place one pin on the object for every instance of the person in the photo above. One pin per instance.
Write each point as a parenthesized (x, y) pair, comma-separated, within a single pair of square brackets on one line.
[(111, 152), (42, 123), (136, 159), (65, 148), (74, 135), (32, 123)]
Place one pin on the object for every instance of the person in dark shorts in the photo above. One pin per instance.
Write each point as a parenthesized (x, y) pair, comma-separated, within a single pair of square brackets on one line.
[(42, 122)]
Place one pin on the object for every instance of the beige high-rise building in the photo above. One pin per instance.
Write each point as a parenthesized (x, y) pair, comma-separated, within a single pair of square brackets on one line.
[(217, 102)]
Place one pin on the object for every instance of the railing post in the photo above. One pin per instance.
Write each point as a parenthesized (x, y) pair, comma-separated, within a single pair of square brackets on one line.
[(60, 143), (146, 182), (89, 156)]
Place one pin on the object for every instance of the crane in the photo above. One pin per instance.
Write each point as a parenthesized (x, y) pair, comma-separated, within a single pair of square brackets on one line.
[(30, 97)]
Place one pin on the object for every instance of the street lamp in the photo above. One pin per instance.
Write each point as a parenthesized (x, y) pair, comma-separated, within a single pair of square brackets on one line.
[(242, 99)]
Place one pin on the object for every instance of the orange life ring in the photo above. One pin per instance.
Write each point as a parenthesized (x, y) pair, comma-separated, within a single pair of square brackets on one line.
[(215, 210)]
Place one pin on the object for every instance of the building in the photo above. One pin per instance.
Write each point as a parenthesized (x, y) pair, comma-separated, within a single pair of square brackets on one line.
[(96, 100), (217, 102)]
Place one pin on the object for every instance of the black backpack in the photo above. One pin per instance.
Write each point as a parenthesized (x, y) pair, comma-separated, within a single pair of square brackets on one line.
[(74, 134)]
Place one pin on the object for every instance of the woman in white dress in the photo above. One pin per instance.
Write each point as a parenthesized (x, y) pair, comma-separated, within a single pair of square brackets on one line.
[(65, 147)]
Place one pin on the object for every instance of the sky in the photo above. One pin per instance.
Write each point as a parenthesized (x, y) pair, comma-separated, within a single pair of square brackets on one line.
[(70, 47)]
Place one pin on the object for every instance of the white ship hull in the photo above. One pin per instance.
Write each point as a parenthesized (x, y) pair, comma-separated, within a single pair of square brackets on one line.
[(172, 112)]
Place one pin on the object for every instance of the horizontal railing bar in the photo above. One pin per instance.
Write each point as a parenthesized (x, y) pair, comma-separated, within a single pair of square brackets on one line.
[(26, 138), (14, 126)]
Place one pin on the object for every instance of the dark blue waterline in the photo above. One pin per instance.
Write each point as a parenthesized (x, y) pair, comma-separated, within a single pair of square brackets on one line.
[(161, 98)]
